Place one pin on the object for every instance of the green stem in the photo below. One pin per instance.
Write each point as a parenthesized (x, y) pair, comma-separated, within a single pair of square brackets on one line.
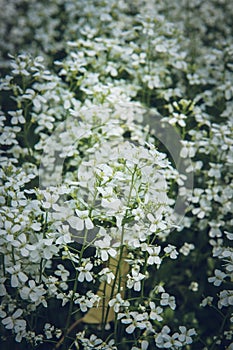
[(143, 272), (131, 185), (41, 269), (70, 310), (83, 245), (103, 306), (115, 280), (2, 263), (13, 255)]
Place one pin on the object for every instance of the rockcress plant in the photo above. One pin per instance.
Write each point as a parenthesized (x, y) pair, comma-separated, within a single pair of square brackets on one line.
[(116, 191)]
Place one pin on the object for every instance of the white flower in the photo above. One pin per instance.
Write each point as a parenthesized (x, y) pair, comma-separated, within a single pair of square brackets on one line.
[(171, 251), (48, 329), (17, 117), (165, 341), (215, 230), (225, 298), (109, 199), (143, 345), (215, 170), (154, 256), (188, 149), (134, 280), (178, 118), (135, 320), (104, 172), (218, 278), (157, 224), (84, 272), (155, 312), (14, 322), (32, 292), (185, 336), (62, 272), (171, 342), (36, 226), (193, 286), (207, 301), (227, 255), (118, 302), (86, 301), (152, 81), (138, 214), (167, 299), (65, 297), (3, 314), (65, 236), (22, 245), (186, 248), (81, 220), (17, 276), (106, 275), (45, 248), (104, 249), (51, 283), (50, 199), (203, 209), (229, 235), (91, 343)]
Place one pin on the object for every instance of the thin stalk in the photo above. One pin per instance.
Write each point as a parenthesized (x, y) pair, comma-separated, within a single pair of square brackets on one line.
[(115, 280), (143, 272), (13, 255), (2, 263), (83, 246), (103, 305), (41, 269), (67, 330)]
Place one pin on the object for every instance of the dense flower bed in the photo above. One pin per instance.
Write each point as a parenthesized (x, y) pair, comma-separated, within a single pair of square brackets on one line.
[(116, 175)]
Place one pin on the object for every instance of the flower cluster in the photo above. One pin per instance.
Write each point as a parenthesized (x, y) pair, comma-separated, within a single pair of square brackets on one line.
[(114, 196)]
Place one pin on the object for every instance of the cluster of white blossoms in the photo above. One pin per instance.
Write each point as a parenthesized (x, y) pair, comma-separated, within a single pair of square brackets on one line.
[(108, 110), (113, 196)]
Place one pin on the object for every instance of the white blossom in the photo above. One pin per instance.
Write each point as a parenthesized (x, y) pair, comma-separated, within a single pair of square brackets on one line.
[(218, 278), (157, 223), (188, 149), (154, 256), (134, 280), (84, 272), (104, 249), (15, 322), (33, 292), (17, 275), (106, 275), (81, 220), (169, 300), (171, 251), (117, 303), (62, 272)]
